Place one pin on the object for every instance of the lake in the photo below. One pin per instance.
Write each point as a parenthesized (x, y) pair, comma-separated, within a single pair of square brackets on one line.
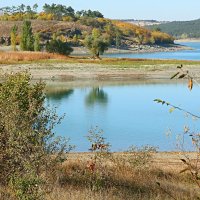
[(126, 113), (193, 54)]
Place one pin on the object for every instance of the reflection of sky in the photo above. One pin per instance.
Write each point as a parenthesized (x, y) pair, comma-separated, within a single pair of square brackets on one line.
[(179, 55), (130, 116)]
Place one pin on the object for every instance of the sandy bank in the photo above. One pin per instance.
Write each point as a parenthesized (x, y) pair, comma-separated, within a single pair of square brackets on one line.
[(89, 72)]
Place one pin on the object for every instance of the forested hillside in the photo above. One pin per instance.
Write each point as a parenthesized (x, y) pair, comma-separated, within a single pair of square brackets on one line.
[(180, 29), (74, 26)]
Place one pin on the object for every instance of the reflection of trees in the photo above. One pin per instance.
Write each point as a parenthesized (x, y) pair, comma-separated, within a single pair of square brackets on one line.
[(96, 95), (58, 95)]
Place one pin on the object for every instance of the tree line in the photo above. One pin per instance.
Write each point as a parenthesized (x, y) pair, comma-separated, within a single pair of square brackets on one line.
[(49, 12)]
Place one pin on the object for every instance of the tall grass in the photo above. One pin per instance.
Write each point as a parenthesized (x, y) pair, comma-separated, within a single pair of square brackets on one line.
[(27, 56), (121, 180)]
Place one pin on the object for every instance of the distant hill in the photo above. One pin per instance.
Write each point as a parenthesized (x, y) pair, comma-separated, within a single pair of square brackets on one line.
[(144, 22), (180, 29)]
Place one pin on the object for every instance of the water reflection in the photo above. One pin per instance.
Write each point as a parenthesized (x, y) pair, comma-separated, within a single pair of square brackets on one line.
[(126, 112), (96, 95), (59, 94)]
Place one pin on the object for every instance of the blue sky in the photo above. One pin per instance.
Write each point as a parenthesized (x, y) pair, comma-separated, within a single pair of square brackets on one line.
[(128, 9)]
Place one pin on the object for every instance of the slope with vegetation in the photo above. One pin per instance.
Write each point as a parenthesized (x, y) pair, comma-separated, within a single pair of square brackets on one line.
[(180, 29), (59, 22)]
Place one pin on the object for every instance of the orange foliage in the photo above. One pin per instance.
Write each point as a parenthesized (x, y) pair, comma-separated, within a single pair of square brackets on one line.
[(143, 35), (45, 16), (18, 17), (91, 166), (161, 37), (128, 27), (67, 19)]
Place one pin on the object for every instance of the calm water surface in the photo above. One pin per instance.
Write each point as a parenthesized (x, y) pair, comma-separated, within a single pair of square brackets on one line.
[(127, 113), (179, 55)]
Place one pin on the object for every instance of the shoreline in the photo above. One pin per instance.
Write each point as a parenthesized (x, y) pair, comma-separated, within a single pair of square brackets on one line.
[(135, 49), (94, 72), (188, 40)]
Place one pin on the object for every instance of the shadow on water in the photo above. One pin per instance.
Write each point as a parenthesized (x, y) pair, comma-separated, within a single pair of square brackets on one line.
[(96, 95)]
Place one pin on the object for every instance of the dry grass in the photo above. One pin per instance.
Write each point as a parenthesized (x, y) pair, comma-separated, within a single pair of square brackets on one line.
[(115, 178), (43, 26), (9, 57), (48, 66)]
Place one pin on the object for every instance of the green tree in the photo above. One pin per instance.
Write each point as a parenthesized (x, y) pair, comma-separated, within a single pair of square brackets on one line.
[(35, 7), (57, 46), (37, 46), (27, 140), (58, 10), (89, 13), (96, 43), (27, 38), (13, 36), (118, 39), (96, 33)]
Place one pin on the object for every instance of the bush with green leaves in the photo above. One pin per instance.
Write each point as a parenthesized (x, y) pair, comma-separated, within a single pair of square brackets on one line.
[(57, 46), (29, 151)]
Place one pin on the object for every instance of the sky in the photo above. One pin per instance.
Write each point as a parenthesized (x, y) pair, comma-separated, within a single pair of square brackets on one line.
[(165, 10)]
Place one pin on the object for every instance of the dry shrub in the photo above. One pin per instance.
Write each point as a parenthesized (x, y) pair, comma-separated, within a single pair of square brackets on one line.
[(129, 175), (119, 180)]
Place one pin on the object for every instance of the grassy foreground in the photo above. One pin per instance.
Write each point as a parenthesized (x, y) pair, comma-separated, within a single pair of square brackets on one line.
[(117, 176), (144, 176)]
